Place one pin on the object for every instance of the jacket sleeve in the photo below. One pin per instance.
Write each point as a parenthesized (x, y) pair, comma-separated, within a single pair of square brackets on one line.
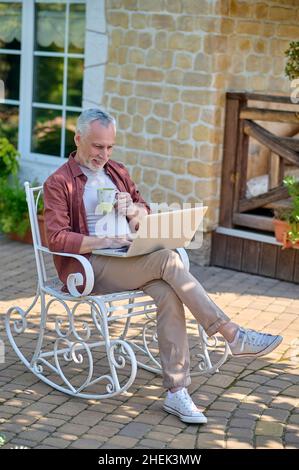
[(57, 216)]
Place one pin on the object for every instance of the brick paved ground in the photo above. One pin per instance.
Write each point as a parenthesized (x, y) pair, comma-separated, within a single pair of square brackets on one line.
[(249, 403)]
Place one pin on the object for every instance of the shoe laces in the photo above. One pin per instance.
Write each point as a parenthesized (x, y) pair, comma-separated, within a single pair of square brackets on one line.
[(186, 400), (253, 337)]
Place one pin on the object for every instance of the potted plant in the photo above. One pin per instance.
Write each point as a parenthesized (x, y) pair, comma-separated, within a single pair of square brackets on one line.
[(14, 217), (286, 220)]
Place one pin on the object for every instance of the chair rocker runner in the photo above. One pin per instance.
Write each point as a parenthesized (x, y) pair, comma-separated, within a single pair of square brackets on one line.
[(110, 358)]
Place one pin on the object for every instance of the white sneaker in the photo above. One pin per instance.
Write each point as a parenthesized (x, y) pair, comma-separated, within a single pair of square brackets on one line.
[(180, 404), (250, 343)]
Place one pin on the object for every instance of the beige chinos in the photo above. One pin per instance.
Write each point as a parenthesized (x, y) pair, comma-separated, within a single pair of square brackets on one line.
[(163, 276)]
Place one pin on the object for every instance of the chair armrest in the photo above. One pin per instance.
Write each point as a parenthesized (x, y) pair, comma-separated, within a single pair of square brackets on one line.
[(184, 257), (76, 279)]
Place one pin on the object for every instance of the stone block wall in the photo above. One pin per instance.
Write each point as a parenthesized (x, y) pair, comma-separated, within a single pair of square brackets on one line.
[(169, 65)]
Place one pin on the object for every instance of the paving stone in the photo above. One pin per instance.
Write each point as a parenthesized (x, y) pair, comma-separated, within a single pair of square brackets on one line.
[(124, 441), (223, 406), (268, 442), (152, 444), (55, 442), (77, 429), (168, 429), (88, 418), (106, 428), (233, 443), (86, 444), (209, 441), (135, 429), (45, 420), (183, 442), (71, 408), (292, 391), (294, 419), (269, 428), (36, 436), (65, 436), (39, 409), (218, 413), (284, 402), (239, 432), (17, 443), (43, 427), (160, 436), (221, 380), (292, 438), (118, 418), (242, 423), (276, 414)]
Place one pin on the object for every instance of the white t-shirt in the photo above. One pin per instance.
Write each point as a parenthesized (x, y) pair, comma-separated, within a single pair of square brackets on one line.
[(111, 224)]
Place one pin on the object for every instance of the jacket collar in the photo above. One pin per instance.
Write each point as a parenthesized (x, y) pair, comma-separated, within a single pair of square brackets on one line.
[(74, 166)]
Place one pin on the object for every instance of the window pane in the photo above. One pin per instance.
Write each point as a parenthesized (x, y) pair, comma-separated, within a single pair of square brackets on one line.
[(9, 122), (76, 28), (48, 80), (10, 25), (70, 127), (50, 27), (75, 82), (46, 131), (10, 74)]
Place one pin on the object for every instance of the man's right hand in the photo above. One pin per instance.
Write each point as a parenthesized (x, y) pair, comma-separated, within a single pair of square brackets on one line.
[(95, 243), (117, 242)]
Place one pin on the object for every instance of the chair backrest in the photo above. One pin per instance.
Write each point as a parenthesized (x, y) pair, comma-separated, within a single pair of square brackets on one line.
[(33, 196)]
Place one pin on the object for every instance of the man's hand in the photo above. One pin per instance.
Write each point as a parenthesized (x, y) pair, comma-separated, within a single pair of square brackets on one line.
[(93, 243), (124, 204), (117, 242)]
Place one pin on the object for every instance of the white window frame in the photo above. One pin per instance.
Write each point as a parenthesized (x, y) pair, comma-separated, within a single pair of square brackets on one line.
[(96, 38), (26, 85), (14, 52)]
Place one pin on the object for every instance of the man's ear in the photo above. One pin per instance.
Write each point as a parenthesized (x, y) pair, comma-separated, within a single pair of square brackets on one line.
[(77, 138)]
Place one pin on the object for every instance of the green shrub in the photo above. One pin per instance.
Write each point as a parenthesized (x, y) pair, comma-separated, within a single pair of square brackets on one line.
[(2, 440), (292, 65), (14, 215), (9, 158), (291, 214)]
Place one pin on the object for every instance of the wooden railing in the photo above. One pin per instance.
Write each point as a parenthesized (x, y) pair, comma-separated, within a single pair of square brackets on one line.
[(240, 125)]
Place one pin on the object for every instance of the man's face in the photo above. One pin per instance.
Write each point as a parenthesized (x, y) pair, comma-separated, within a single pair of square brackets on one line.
[(95, 146)]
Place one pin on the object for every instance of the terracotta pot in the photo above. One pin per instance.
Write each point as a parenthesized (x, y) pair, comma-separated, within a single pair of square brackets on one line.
[(281, 229), (27, 238)]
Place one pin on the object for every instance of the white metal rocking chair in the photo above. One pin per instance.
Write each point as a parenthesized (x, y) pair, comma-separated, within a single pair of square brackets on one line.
[(67, 345)]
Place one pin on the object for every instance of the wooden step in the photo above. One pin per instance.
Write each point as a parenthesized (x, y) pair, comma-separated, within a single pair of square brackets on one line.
[(254, 253)]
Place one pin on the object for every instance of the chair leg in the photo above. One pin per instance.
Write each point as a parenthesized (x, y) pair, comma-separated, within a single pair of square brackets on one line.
[(42, 326), (19, 326), (116, 350), (207, 364)]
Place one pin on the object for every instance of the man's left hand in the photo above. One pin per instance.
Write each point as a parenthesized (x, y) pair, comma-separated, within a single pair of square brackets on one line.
[(124, 204)]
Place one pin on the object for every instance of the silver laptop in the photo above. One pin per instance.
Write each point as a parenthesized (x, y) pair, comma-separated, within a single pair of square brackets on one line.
[(173, 229)]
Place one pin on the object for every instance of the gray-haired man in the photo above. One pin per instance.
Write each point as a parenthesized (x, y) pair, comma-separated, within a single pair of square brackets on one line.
[(71, 220)]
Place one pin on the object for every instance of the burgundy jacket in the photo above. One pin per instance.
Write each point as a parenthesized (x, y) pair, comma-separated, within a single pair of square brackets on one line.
[(64, 212)]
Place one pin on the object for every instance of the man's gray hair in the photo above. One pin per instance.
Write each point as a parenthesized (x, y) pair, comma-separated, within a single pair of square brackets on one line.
[(93, 114)]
